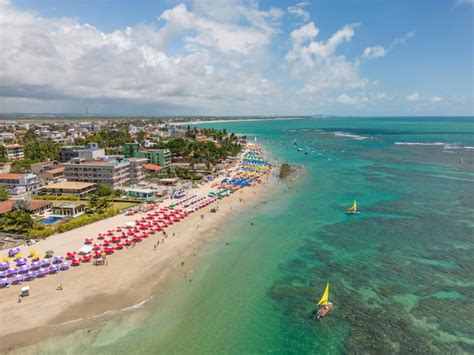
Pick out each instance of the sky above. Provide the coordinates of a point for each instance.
(229, 57)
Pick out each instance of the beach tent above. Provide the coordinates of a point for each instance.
(86, 249)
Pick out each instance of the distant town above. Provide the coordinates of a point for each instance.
(62, 174)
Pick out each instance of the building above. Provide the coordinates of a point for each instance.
(43, 166)
(69, 152)
(18, 184)
(151, 169)
(90, 151)
(53, 175)
(110, 171)
(161, 157)
(80, 189)
(141, 193)
(15, 151)
(68, 209)
(34, 206)
(137, 172)
(131, 150)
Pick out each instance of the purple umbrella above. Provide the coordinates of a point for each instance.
(45, 263)
(4, 265)
(17, 279)
(21, 261)
(64, 266)
(35, 266)
(3, 274)
(41, 273)
(12, 272)
(3, 283)
(53, 269)
(58, 259)
(13, 252)
(30, 275)
(22, 269)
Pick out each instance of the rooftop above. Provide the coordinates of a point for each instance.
(152, 167)
(70, 185)
(10, 176)
(7, 206)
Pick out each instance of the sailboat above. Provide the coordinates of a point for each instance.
(326, 306)
(352, 209)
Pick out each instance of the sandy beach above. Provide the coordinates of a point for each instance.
(128, 279)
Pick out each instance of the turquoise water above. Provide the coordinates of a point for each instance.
(401, 271)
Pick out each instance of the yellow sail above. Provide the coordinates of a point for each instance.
(325, 299)
(353, 209)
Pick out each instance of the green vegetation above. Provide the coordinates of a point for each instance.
(3, 155)
(20, 166)
(16, 222)
(98, 204)
(4, 195)
(103, 190)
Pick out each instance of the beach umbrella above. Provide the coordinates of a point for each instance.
(4, 265)
(16, 279)
(86, 258)
(12, 252)
(127, 242)
(75, 262)
(30, 275)
(70, 254)
(53, 269)
(21, 261)
(49, 253)
(64, 266)
(5, 259)
(97, 246)
(45, 263)
(3, 274)
(119, 246)
(4, 282)
(41, 273)
(109, 250)
(97, 254)
(12, 272)
(58, 259)
(88, 240)
(36, 265)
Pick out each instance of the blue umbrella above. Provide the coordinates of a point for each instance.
(23, 269)
(4, 283)
(45, 263)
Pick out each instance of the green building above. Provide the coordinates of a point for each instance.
(161, 157)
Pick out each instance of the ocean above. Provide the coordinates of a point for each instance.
(401, 271)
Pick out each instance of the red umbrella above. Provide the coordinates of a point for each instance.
(88, 241)
(98, 254)
(119, 246)
(109, 250)
(101, 236)
(75, 262)
(70, 254)
(127, 242)
(86, 258)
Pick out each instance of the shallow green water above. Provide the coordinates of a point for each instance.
(400, 272)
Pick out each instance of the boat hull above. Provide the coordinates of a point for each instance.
(323, 311)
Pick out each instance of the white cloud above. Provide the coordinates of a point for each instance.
(379, 51)
(62, 59)
(436, 99)
(380, 96)
(374, 52)
(317, 62)
(298, 11)
(351, 100)
(413, 97)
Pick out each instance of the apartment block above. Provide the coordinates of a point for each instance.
(19, 184)
(15, 151)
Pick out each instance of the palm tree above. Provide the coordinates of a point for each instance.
(21, 205)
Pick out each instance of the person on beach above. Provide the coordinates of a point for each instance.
(174, 235)
(60, 287)
(154, 247)
(182, 263)
(19, 298)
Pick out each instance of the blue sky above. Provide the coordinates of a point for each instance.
(227, 57)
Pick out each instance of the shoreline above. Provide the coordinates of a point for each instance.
(130, 279)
